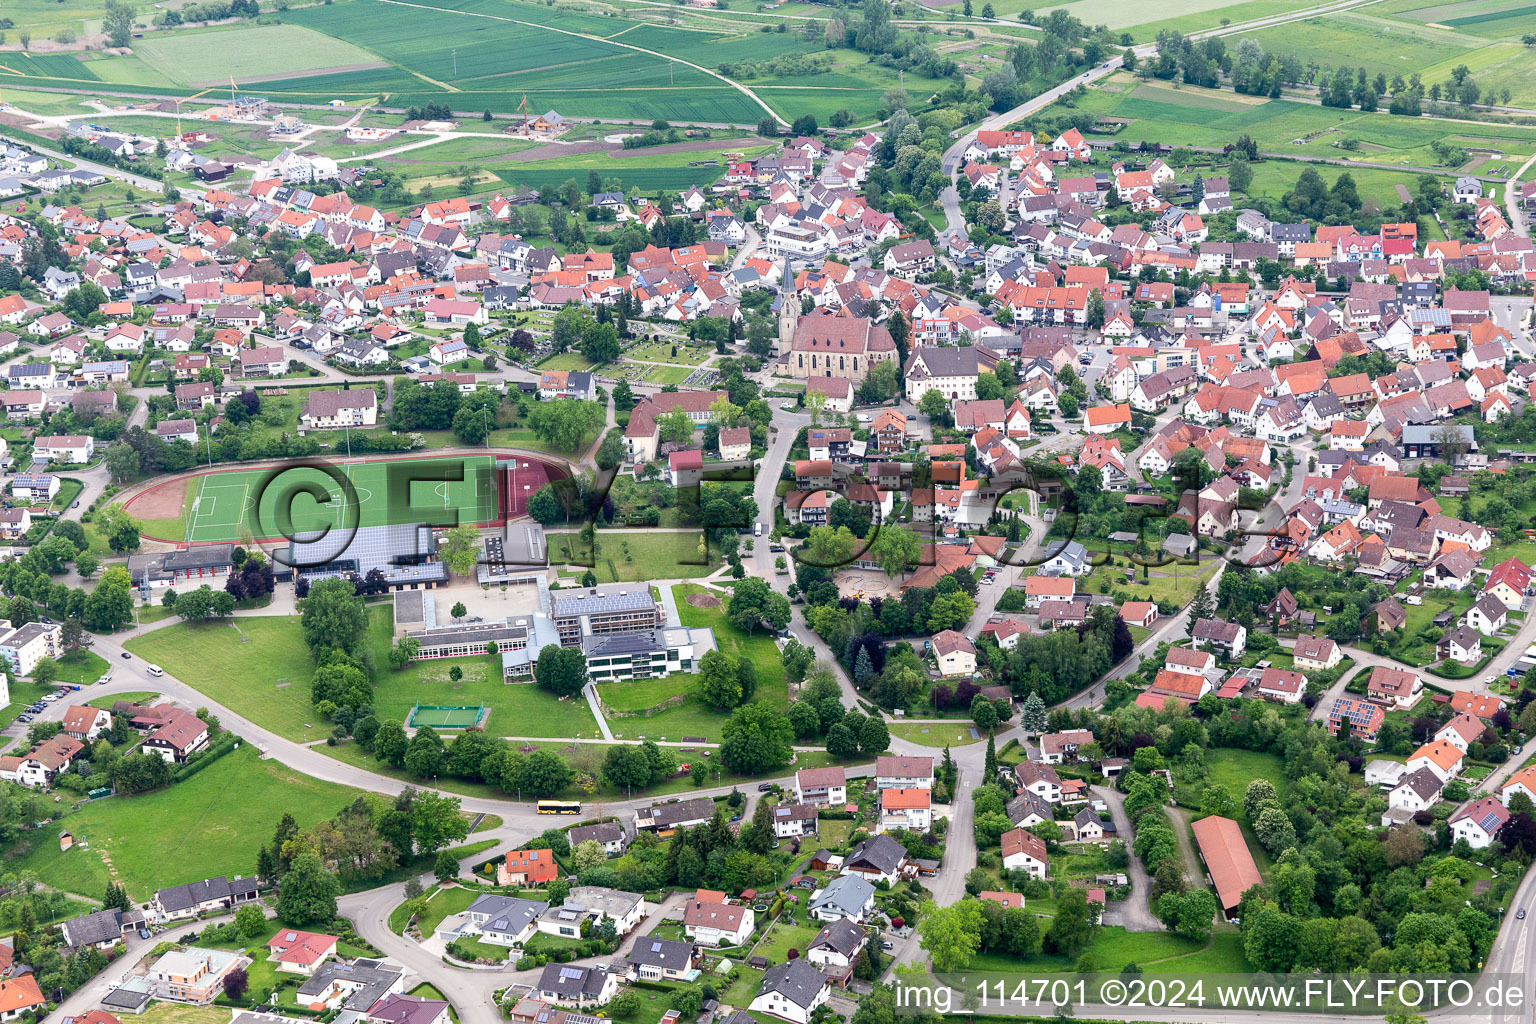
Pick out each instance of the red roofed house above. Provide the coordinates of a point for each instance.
(299, 952)
(1023, 850)
(1106, 419)
(1395, 687)
(86, 723)
(1479, 822)
(1508, 581)
(528, 868)
(1483, 706)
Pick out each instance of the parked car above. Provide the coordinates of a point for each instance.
(765, 787)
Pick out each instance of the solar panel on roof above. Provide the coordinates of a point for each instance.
(570, 972)
(655, 947)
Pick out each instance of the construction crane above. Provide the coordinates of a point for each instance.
(189, 99)
(523, 106)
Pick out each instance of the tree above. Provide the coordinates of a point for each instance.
(1032, 717)
(568, 425)
(842, 742)
(951, 935)
(561, 670)
(983, 714)
(446, 867)
(544, 773)
(628, 767)
(675, 427)
(757, 737)
(720, 683)
(235, 984)
(333, 617)
(874, 736)
(117, 897)
(110, 605)
(122, 461)
(1075, 924)
(249, 920)
(307, 893)
(805, 124)
(897, 549)
(1188, 914)
(754, 603)
(1274, 830)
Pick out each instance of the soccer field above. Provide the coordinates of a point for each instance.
(269, 504)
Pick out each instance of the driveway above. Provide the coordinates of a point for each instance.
(1134, 913)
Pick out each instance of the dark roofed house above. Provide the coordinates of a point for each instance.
(221, 893)
(403, 1009)
(835, 948)
(677, 814)
(792, 990)
(1226, 638)
(609, 835)
(878, 857)
(581, 987)
(103, 929)
(658, 959)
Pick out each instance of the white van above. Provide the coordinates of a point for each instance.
(757, 529)
(155, 670)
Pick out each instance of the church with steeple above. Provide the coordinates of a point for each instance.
(789, 310)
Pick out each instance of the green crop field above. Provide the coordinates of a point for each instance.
(263, 504)
(211, 57)
(1190, 116)
(491, 55)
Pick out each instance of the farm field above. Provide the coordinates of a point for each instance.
(210, 56)
(183, 832)
(254, 503)
(1191, 116)
(488, 55)
(272, 688)
(1180, 15)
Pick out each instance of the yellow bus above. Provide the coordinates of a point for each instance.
(559, 807)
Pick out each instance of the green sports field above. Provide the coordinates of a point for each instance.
(266, 504)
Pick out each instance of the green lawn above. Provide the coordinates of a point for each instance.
(211, 824)
(935, 734)
(694, 718)
(81, 666)
(1112, 949)
(1233, 770)
(785, 935)
(137, 696)
(443, 903)
(632, 557)
(272, 687)
(758, 646)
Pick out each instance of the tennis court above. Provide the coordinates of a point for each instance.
(440, 716)
(278, 502)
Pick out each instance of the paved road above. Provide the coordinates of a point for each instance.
(953, 218)
(1517, 218)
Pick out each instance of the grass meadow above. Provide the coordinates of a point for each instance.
(266, 680)
(212, 824)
